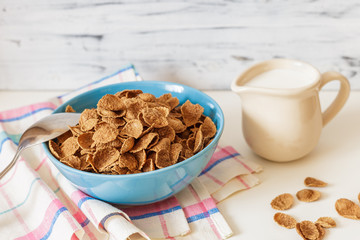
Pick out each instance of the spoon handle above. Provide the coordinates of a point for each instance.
(12, 163)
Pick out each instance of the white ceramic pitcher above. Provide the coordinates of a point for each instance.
(284, 124)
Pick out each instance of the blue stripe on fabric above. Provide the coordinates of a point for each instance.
(26, 114)
(85, 222)
(3, 134)
(3, 141)
(107, 217)
(153, 214)
(217, 162)
(3, 138)
(181, 180)
(15, 137)
(6, 137)
(57, 190)
(202, 215)
(82, 200)
(130, 66)
(23, 202)
(102, 79)
(58, 212)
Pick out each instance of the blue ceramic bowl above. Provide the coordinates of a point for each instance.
(147, 187)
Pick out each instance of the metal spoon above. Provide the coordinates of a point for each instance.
(43, 130)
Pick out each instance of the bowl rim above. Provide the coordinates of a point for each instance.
(213, 143)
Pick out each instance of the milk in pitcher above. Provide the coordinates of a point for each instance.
(282, 78)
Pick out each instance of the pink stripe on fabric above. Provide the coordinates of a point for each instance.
(78, 215)
(163, 222)
(13, 113)
(74, 237)
(51, 195)
(151, 208)
(203, 208)
(90, 234)
(60, 100)
(243, 182)
(164, 227)
(45, 187)
(44, 226)
(30, 235)
(198, 208)
(46, 164)
(41, 163)
(13, 172)
(76, 197)
(218, 154)
(17, 215)
(67, 216)
(245, 166)
(80, 218)
(231, 150)
(214, 179)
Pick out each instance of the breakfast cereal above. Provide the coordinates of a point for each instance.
(321, 231)
(285, 220)
(69, 109)
(309, 230)
(326, 222)
(313, 182)
(131, 132)
(191, 113)
(347, 208)
(308, 195)
(282, 202)
(312, 230)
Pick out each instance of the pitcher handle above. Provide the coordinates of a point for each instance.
(341, 97)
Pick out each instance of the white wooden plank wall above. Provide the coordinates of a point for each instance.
(67, 43)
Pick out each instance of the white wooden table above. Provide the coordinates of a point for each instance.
(335, 160)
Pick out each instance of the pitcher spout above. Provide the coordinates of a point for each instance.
(243, 89)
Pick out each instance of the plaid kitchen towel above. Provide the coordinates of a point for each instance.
(37, 202)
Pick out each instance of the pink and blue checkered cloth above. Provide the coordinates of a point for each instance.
(37, 202)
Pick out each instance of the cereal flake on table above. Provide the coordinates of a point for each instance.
(310, 231)
(347, 208)
(326, 222)
(285, 220)
(282, 202)
(313, 182)
(308, 195)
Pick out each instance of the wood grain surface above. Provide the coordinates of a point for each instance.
(205, 44)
